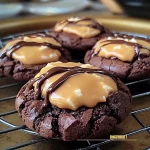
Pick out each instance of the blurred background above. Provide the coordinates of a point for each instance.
(22, 8)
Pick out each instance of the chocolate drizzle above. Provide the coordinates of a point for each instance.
(20, 44)
(70, 71)
(136, 46)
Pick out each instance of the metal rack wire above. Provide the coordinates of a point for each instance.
(133, 86)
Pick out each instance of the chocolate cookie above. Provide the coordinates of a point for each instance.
(24, 56)
(78, 34)
(126, 57)
(72, 101)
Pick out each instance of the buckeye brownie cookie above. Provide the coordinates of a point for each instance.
(78, 34)
(71, 101)
(24, 56)
(126, 57)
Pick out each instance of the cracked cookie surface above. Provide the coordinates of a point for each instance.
(51, 121)
(137, 68)
(72, 31)
(32, 48)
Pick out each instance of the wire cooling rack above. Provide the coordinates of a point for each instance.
(138, 89)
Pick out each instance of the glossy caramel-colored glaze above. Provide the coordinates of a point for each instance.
(33, 54)
(77, 26)
(121, 51)
(123, 48)
(82, 89)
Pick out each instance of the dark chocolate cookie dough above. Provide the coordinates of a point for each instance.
(70, 121)
(23, 57)
(126, 57)
(78, 34)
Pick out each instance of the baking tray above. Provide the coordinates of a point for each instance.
(14, 135)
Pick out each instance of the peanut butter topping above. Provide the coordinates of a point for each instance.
(122, 47)
(121, 51)
(144, 52)
(82, 85)
(81, 27)
(35, 49)
(143, 42)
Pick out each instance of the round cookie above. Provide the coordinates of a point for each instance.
(78, 34)
(24, 56)
(73, 101)
(127, 57)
